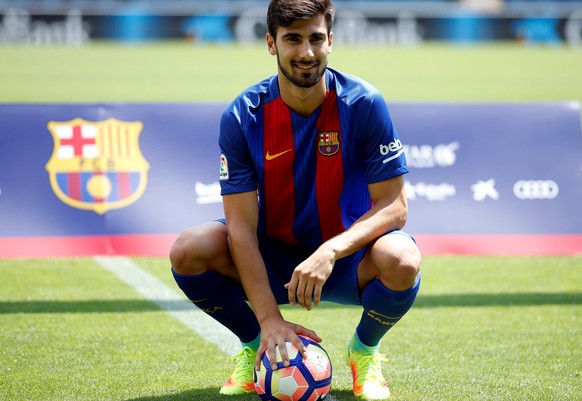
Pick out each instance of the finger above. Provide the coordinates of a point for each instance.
(308, 296)
(300, 294)
(308, 333)
(291, 287)
(296, 288)
(271, 352)
(317, 295)
(284, 354)
(300, 346)
(258, 359)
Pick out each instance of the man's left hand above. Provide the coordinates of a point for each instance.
(308, 279)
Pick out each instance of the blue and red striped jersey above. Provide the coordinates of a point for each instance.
(311, 173)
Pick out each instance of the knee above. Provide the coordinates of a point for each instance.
(202, 249)
(402, 266)
(408, 266)
(183, 255)
(178, 254)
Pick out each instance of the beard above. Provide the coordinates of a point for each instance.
(303, 80)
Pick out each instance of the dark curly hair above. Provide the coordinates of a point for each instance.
(285, 12)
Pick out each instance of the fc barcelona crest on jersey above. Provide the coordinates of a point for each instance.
(329, 143)
(97, 165)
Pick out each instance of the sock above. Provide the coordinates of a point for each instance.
(254, 345)
(221, 298)
(357, 345)
(383, 308)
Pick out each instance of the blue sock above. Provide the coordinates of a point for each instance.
(222, 298)
(383, 308)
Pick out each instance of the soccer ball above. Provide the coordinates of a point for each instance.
(305, 379)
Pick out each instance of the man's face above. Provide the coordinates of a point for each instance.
(302, 50)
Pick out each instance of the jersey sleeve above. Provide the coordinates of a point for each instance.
(237, 173)
(383, 151)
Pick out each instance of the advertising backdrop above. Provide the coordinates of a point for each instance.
(86, 179)
(405, 23)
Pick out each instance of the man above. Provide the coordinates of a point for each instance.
(311, 177)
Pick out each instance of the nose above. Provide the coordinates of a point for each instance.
(306, 50)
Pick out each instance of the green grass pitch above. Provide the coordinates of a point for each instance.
(483, 328)
(170, 72)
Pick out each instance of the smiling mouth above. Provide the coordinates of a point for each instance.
(305, 66)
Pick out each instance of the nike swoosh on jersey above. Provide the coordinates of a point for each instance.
(271, 157)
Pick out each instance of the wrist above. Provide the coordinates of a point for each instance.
(330, 250)
(268, 314)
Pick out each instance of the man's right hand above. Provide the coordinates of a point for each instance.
(275, 333)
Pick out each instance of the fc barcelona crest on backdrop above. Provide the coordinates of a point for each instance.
(97, 165)
(329, 143)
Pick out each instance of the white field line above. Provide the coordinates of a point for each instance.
(154, 290)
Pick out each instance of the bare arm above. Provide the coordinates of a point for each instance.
(241, 211)
(388, 213)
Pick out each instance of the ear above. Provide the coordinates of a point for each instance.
(330, 42)
(271, 44)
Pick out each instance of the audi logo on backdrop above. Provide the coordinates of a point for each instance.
(536, 189)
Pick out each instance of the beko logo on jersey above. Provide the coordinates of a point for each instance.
(536, 189)
(390, 149)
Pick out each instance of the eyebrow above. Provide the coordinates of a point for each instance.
(314, 35)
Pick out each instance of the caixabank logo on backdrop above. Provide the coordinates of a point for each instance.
(97, 166)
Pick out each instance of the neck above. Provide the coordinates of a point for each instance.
(303, 101)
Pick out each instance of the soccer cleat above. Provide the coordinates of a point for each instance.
(241, 381)
(369, 383)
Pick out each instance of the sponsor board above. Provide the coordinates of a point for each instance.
(127, 178)
(356, 22)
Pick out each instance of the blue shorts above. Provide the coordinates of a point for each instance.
(281, 259)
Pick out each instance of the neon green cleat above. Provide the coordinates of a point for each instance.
(369, 383)
(241, 380)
